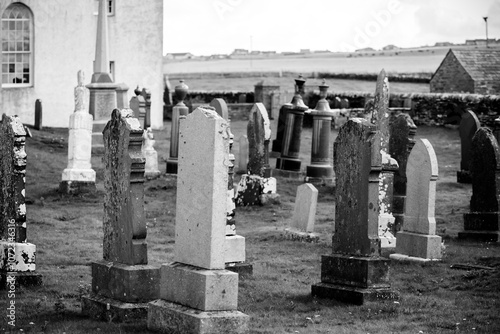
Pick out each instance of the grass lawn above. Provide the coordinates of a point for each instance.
(434, 298)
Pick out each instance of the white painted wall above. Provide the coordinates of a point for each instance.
(64, 42)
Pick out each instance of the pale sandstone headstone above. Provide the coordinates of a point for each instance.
(304, 214)
(418, 240)
(197, 294)
(481, 223)
(356, 272)
(79, 175)
(17, 255)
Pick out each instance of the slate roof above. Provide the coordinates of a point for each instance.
(482, 65)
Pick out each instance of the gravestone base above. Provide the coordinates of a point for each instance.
(296, 175)
(418, 245)
(251, 187)
(296, 235)
(482, 236)
(108, 309)
(289, 164)
(126, 283)
(199, 288)
(243, 269)
(76, 187)
(320, 181)
(481, 221)
(402, 257)
(351, 294)
(464, 176)
(171, 318)
(172, 166)
(21, 278)
(319, 171)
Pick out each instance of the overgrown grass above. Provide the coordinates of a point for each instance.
(434, 298)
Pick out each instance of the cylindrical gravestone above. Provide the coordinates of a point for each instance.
(180, 109)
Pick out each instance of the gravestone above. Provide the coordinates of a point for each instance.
(268, 93)
(79, 177)
(123, 282)
(38, 114)
(103, 98)
(355, 272)
(337, 103)
(178, 111)
(235, 253)
(344, 103)
(197, 294)
(481, 223)
(146, 95)
(304, 214)
(138, 106)
(402, 132)
(151, 167)
(17, 255)
(257, 184)
(320, 170)
(467, 128)
(381, 119)
(243, 154)
(418, 240)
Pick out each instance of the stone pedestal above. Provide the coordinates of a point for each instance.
(178, 111)
(289, 159)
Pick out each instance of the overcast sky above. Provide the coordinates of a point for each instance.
(205, 27)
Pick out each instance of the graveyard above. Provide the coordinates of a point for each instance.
(460, 293)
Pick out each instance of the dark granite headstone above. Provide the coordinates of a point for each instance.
(356, 272)
(259, 133)
(38, 114)
(402, 130)
(467, 129)
(481, 222)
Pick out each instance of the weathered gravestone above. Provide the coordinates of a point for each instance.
(381, 119)
(123, 282)
(304, 214)
(197, 294)
(17, 255)
(402, 131)
(257, 186)
(467, 129)
(79, 176)
(320, 170)
(38, 115)
(418, 240)
(481, 223)
(337, 102)
(243, 154)
(151, 167)
(235, 253)
(355, 272)
(138, 106)
(103, 97)
(297, 102)
(180, 109)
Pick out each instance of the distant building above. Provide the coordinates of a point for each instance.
(443, 44)
(468, 71)
(179, 56)
(239, 52)
(390, 47)
(365, 50)
(305, 50)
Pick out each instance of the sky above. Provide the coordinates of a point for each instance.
(205, 27)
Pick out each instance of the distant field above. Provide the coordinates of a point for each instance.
(367, 63)
(287, 85)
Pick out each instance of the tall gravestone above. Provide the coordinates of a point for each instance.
(304, 214)
(79, 176)
(381, 119)
(320, 170)
(467, 128)
(481, 223)
(197, 294)
(103, 98)
(17, 255)
(257, 182)
(355, 272)
(179, 110)
(235, 252)
(242, 154)
(418, 240)
(402, 131)
(123, 282)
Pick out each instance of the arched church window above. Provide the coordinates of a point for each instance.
(17, 46)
